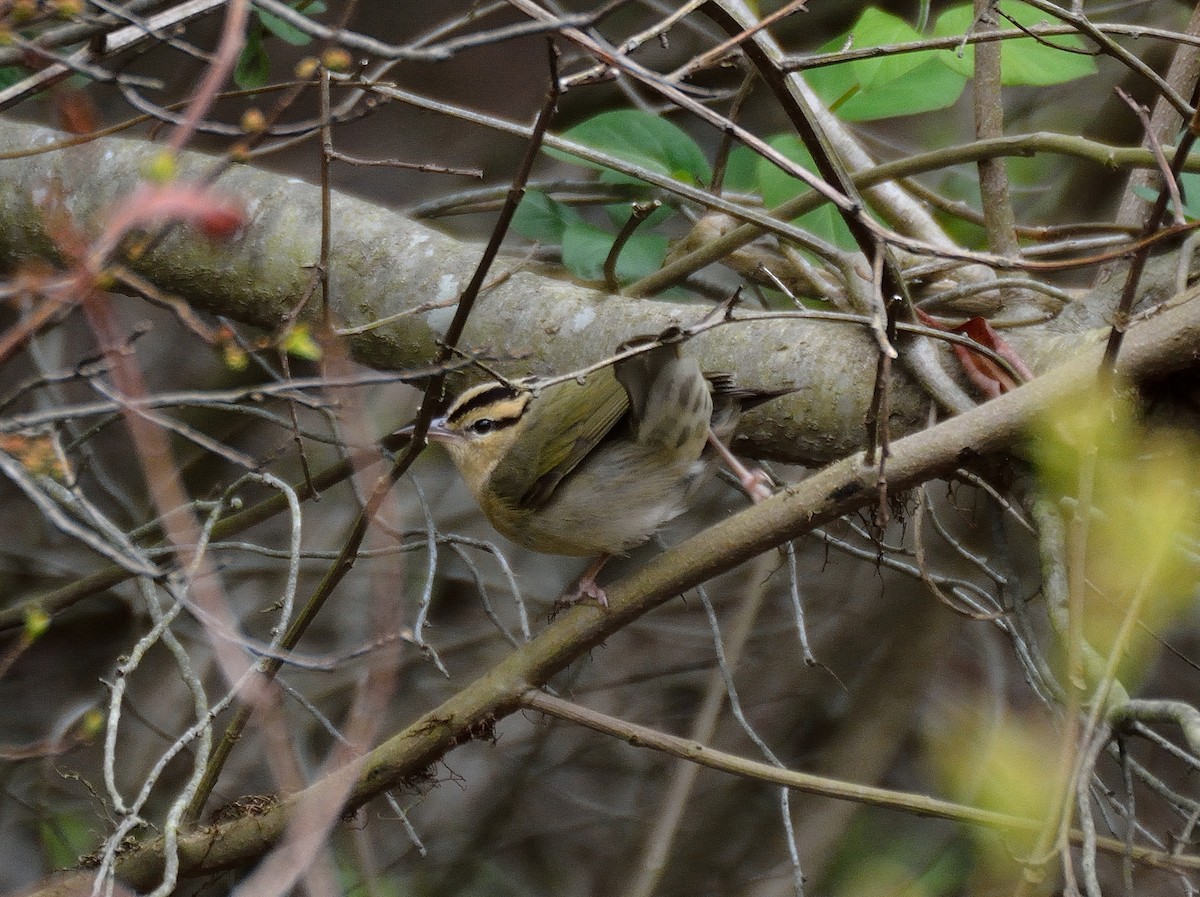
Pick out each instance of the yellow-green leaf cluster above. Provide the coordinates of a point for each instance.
(1129, 495)
(1006, 766)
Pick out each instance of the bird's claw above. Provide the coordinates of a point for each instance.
(586, 590)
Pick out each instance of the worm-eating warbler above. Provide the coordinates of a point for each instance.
(588, 468)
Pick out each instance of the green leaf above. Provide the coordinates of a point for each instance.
(541, 218)
(253, 65)
(643, 139)
(901, 84)
(876, 28)
(64, 839)
(11, 74)
(283, 30)
(300, 343)
(1189, 186)
(1023, 61)
(585, 247)
(925, 88)
(37, 621)
(741, 171)
(777, 187)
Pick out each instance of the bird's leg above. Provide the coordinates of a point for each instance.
(755, 482)
(585, 589)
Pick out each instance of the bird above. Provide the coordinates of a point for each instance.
(592, 467)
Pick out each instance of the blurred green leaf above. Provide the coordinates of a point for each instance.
(1000, 767)
(65, 839)
(37, 621)
(287, 32)
(355, 881)
(741, 171)
(585, 247)
(541, 218)
(777, 187)
(254, 65)
(875, 860)
(1189, 185)
(1023, 61)
(300, 343)
(10, 75)
(1141, 486)
(643, 139)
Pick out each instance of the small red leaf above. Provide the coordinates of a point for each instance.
(76, 112)
(989, 377)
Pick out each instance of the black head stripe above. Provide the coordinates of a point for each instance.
(481, 399)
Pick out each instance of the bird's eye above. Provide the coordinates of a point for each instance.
(482, 426)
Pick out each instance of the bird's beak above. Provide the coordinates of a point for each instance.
(437, 432)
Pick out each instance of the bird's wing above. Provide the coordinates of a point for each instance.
(579, 416)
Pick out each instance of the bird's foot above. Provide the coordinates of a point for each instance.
(585, 590)
(758, 484)
(754, 480)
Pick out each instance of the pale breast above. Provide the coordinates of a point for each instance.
(615, 502)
